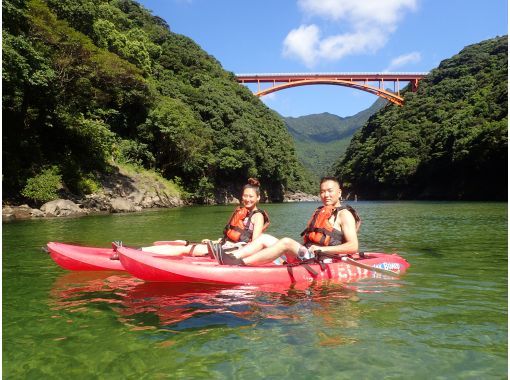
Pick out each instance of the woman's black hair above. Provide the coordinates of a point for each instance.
(254, 184)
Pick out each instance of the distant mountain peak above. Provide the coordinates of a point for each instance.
(325, 127)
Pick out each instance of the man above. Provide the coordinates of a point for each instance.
(331, 229)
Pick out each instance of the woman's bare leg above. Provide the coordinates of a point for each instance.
(263, 241)
(178, 250)
(283, 246)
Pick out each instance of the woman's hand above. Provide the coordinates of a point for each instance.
(314, 248)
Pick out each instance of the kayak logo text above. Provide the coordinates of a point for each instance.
(388, 266)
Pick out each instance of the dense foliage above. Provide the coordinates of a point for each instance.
(449, 141)
(44, 186)
(87, 83)
(321, 138)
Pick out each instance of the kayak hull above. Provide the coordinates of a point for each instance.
(82, 258)
(191, 270)
(79, 258)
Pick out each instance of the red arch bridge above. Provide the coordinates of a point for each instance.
(375, 83)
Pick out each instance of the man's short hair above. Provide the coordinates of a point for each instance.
(334, 179)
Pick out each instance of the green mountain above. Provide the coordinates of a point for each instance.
(321, 138)
(326, 127)
(449, 141)
(87, 84)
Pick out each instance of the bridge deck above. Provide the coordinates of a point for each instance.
(354, 76)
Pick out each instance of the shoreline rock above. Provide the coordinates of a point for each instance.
(61, 207)
(300, 197)
(20, 212)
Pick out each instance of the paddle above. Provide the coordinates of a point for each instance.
(346, 259)
(154, 248)
(164, 248)
(175, 242)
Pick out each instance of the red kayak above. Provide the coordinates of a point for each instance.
(190, 270)
(75, 257)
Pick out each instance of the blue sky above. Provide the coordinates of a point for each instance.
(280, 36)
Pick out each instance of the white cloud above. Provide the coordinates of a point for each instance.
(338, 46)
(371, 22)
(403, 60)
(302, 43)
(359, 12)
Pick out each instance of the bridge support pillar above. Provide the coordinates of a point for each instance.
(414, 85)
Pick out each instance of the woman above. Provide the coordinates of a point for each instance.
(247, 222)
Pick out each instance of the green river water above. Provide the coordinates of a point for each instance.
(446, 318)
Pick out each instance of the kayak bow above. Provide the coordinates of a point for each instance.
(75, 257)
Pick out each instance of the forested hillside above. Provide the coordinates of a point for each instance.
(321, 138)
(449, 141)
(326, 127)
(90, 84)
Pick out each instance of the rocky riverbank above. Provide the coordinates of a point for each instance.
(122, 191)
(104, 204)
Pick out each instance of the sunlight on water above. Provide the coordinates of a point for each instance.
(446, 318)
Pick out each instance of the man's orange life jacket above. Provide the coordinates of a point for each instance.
(239, 228)
(320, 230)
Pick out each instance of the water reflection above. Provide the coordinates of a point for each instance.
(183, 307)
